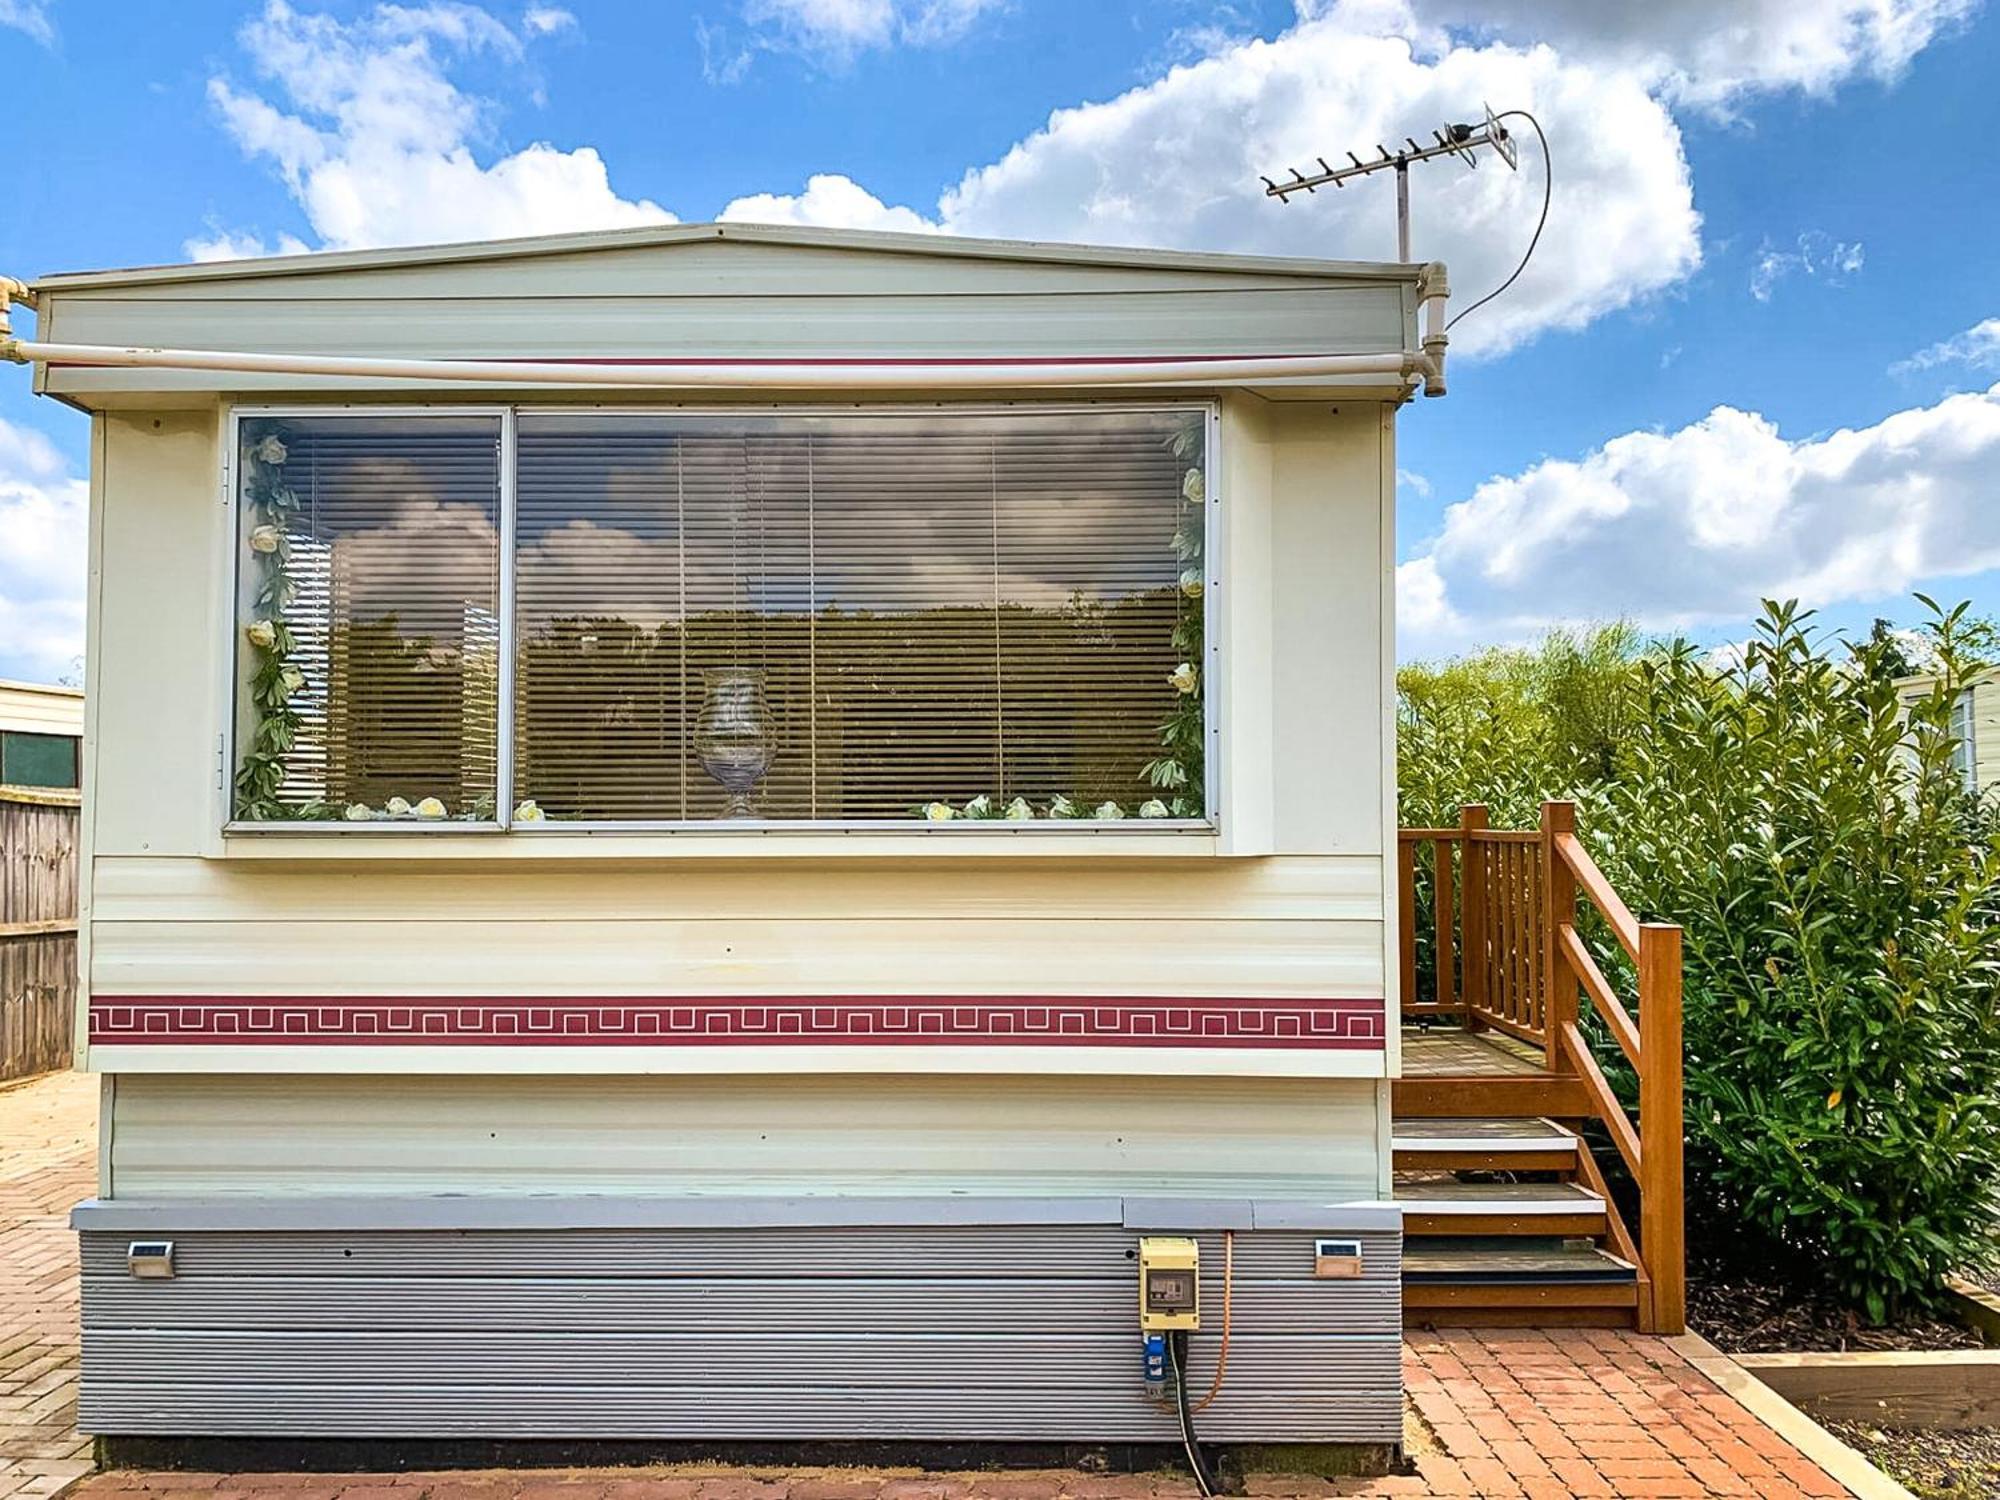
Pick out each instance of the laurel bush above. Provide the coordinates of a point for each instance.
(1800, 815)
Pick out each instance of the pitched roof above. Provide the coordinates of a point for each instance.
(932, 245)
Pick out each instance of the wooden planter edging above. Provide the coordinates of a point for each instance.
(1975, 1307)
(1930, 1389)
(1732, 1373)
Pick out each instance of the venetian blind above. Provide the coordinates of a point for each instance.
(910, 608)
(386, 585)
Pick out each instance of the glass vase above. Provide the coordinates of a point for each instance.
(732, 735)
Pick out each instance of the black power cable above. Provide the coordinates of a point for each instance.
(1548, 189)
(1204, 1477)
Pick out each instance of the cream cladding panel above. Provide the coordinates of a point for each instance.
(194, 1136)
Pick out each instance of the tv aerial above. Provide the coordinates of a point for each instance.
(1461, 141)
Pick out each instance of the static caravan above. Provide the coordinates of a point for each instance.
(739, 833)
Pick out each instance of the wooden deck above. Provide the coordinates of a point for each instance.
(1450, 1052)
(1500, 1078)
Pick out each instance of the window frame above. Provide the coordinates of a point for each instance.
(505, 793)
(75, 743)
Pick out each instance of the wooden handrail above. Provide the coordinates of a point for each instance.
(1511, 959)
(1609, 1110)
(1617, 915)
(1617, 1019)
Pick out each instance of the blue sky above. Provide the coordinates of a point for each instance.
(1763, 206)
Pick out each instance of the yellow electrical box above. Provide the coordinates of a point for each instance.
(1169, 1284)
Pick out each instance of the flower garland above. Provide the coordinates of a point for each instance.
(274, 680)
(1179, 773)
(984, 809)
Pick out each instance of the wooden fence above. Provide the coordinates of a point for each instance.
(38, 876)
(1502, 951)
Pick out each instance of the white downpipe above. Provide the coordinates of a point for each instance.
(833, 374)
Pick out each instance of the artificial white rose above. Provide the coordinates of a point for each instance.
(358, 812)
(1108, 810)
(1184, 678)
(979, 806)
(430, 807)
(291, 681)
(265, 538)
(1153, 807)
(1062, 807)
(270, 451)
(261, 633)
(528, 812)
(1191, 584)
(397, 807)
(1018, 811)
(1194, 486)
(940, 812)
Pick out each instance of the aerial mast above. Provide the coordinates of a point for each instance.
(1461, 141)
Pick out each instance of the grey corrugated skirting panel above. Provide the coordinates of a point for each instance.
(729, 1325)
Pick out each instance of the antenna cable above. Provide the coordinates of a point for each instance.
(1548, 186)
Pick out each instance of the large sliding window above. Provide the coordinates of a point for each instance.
(865, 617)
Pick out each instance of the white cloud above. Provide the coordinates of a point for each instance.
(1706, 54)
(236, 244)
(376, 142)
(834, 31)
(546, 20)
(1817, 257)
(831, 201)
(1692, 527)
(1977, 348)
(42, 532)
(30, 17)
(1176, 163)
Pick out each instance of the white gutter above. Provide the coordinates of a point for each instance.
(739, 374)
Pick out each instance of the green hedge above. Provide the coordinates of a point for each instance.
(1801, 817)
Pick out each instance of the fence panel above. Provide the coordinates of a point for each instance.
(38, 886)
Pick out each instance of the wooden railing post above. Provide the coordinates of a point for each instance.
(1559, 991)
(1661, 1214)
(1472, 916)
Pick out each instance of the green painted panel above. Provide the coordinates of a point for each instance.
(47, 760)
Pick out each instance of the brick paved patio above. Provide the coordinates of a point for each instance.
(48, 1160)
(1498, 1413)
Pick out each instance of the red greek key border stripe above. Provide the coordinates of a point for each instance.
(313, 1021)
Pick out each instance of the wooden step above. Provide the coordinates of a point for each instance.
(1509, 1281)
(1475, 1096)
(1446, 1206)
(1491, 1144)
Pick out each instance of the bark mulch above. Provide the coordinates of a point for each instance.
(1741, 1316)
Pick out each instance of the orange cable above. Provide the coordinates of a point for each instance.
(1228, 1285)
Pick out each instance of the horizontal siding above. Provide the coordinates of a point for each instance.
(40, 710)
(549, 322)
(964, 1332)
(736, 265)
(183, 1136)
(886, 1360)
(771, 956)
(1309, 926)
(1344, 889)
